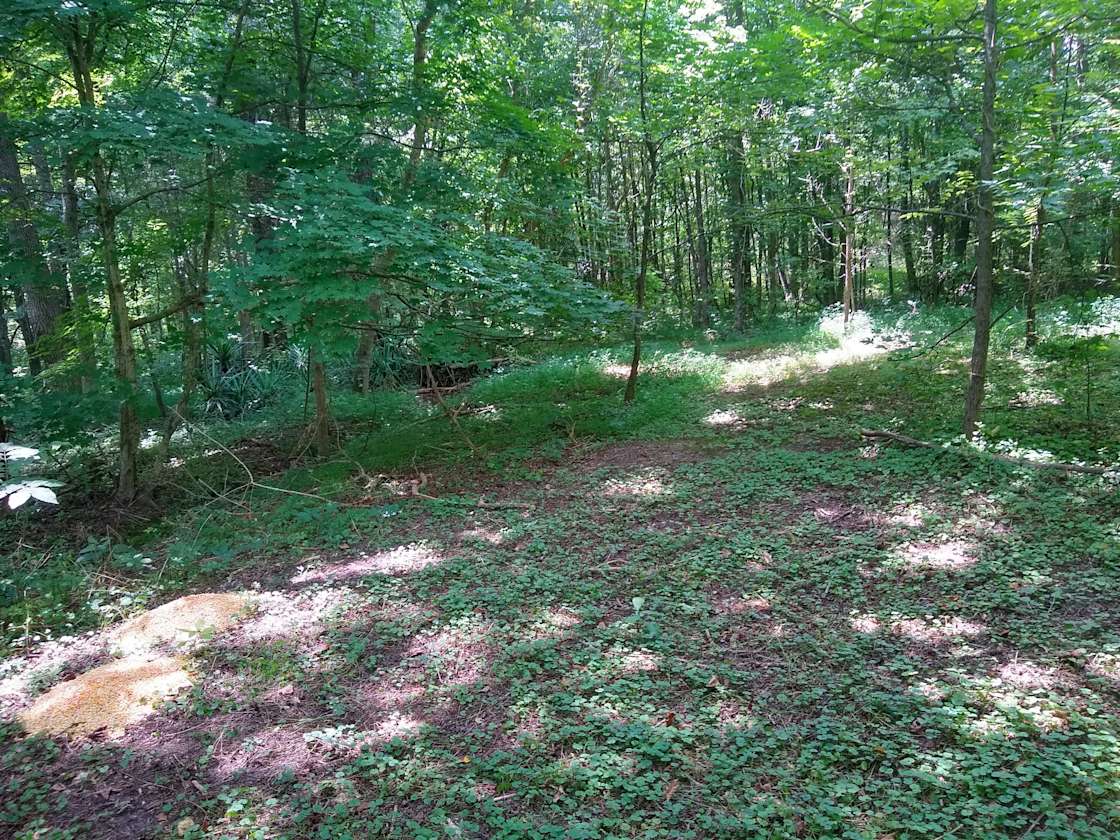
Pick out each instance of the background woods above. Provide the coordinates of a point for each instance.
(196, 194)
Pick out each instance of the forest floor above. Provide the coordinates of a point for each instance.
(715, 613)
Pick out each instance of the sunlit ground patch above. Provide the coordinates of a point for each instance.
(954, 555)
(936, 629)
(399, 560)
(742, 604)
(1026, 675)
(111, 697)
(647, 483)
(724, 418)
(1034, 398)
(459, 654)
(490, 536)
(769, 370)
(284, 615)
(267, 754)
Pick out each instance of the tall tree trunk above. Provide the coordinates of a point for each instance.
(322, 435)
(419, 64)
(647, 213)
(80, 47)
(1116, 242)
(985, 227)
(890, 226)
(703, 265)
(5, 337)
(738, 227)
(42, 287)
(849, 239)
(1034, 271)
(197, 286)
(84, 326)
(906, 224)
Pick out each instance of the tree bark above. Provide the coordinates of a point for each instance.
(849, 240)
(647, 213)
(1034, 272)
(739, 256)
(322, 436)
(985, 226)
(419, 65)
(80, 48)
(703, 264)
(42, 287)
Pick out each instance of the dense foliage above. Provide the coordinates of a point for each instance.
(380, 187)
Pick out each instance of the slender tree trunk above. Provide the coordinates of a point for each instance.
(890, 226)
(1116, 243)
(5, 337)
(419, 64)
(647, 213)
(193, 315)
(703, 266)
(322, 435)
(80, 48)
(84, 326)
(738, 232)
(849, 240)
(985, 226)
(1034, 272)
(906, 224)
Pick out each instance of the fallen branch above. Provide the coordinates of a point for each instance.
(906, 440)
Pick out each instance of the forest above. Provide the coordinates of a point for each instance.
(560, 419)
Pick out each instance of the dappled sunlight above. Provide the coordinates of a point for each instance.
(397, 725)
(724, 418)
(489, 536)
(768, 371)
(685, 362)
(1024, 674)
(400, 560)
(1104, 664)
(865, 623)
(907, 516)
(954, 555)
(933, 630)
(647, 483)
(936, 629)
(1035, 398)
(266, 754)
(623, 660)
(742, 604)
(554, 622)
(458, 654)
(282, 615)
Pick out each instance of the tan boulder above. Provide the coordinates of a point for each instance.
(178, 621)
(111, 697)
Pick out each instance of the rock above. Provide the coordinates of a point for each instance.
(111, 697)
(178, 622)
